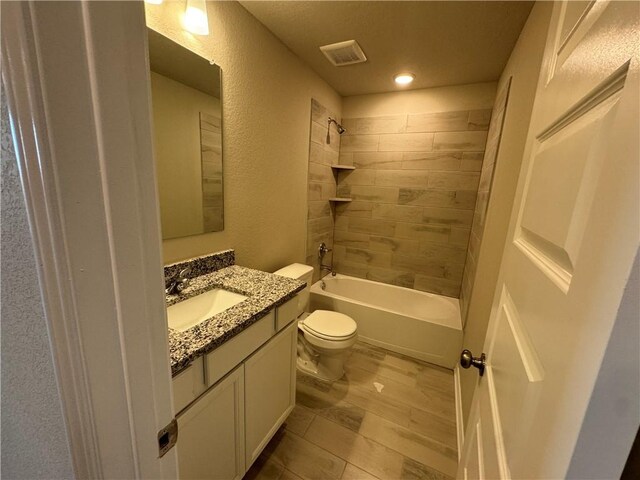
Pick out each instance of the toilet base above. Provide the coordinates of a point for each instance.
(319, 370)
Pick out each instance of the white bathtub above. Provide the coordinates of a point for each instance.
(418, 324)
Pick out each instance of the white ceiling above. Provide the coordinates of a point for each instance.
(442, 43)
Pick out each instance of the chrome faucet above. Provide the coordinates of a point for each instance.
(322, 251)
(178, 283)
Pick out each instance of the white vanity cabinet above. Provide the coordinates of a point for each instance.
(211, 432)
(232, 400)
(270, 390)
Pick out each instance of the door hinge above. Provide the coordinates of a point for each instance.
(167, 437)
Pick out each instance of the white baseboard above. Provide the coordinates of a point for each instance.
(459, 420)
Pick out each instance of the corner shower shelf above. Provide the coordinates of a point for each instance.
(339, 199)
(343, 167)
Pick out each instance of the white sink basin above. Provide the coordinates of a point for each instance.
(189, 313)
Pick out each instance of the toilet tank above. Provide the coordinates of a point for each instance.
(301, 272)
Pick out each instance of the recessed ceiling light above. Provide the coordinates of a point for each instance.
(404, 78)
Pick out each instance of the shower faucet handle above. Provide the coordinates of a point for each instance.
(323, 250)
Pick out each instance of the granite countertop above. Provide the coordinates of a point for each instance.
(265, 291)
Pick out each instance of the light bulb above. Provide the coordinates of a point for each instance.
(404, 78)
(195, 17)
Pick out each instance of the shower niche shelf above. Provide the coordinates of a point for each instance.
(343, 167)
(340, 199)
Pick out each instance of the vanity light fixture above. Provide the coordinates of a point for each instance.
(154, 2)
(195, 17)
(404, 78)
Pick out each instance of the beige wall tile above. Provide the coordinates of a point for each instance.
(320, 225)
(438, 122)
(387, 124)
(373, 227)
(328, 190)
(359, 143)
(368, 455)
(374, 194)
(316, 153)
(479, 119)
(432, 161)
(429, 267)
(460, 141)
(446, 253)
(392, 277)
(318, 112)
(378, 160)
(319, 208)
(318, 134)
(402, 178)
(314, 191)
(353, 269)
(402, 213)
(357, 177)
(471, 161)
(415, 231)
(320, 173)
(453, 181)
(437, 285)
(330, 157)
(345, 158)
(464, 199)
(394, 245)
(448, 216)
(341, 223)
(368, 257)
(355, 209)
(350, 239)
(459, 236)
(406, 142)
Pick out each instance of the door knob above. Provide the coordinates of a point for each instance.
(468, 360)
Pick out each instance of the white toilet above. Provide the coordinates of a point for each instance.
(324, 337)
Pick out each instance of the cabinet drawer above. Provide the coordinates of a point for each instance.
(225, 358)
(286, 313)
(188, 384)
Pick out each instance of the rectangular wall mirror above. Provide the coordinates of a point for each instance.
(187, 121)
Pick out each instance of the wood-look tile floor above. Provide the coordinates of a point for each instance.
(350, 430)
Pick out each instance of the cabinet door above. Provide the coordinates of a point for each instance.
(270, 390)
(211, 432)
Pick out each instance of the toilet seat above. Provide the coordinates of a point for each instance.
(327, 325)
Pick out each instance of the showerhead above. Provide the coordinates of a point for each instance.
(339, 127)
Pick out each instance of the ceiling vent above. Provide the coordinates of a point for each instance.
(344, 53)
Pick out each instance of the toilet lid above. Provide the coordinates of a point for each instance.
(330, 324)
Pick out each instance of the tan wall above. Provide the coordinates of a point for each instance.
(524, 66)
(417, 155)
(267, 95)
(176, 123)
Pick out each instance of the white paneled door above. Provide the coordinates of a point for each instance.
(573, 236)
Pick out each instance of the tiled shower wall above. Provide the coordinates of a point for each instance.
(322, 185)
(482, 202)
(414, 191)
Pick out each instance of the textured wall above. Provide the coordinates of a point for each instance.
(414, 186)
(523, 68)
(266, 108)
(322, 185)
(34, 437)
